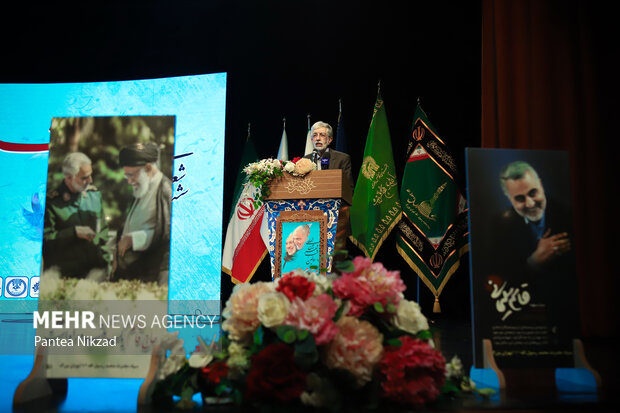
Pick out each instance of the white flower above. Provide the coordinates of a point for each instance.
(238, 356)
(289, 167)
(467, 384)
(238, 360)
(322, 282)
(171, 365)
(409, 317)
(51, 284)
(202, 357)
(176, 359)
(86, 290)
(171, 341)
(454, 369)
(273, 307)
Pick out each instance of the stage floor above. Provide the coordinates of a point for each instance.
(452, 336)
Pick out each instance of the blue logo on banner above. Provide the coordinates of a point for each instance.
(15, 287)
(34, 286)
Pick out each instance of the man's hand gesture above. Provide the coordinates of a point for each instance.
(550, 246)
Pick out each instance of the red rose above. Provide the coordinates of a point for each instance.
(295, 286)
(274, 376)
(214, 373)
(295, 159)
(412, 373)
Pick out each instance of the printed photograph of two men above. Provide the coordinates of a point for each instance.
(108, 200)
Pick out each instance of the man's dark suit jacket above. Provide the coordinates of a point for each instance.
(554, 284)
(337, 160)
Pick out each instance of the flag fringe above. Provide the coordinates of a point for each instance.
(380, 243)
(436, 292)
(236, 281)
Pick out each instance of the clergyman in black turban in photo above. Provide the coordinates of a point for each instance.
(143, 249)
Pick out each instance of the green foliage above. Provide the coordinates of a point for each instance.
(394, 342)
(287, 334)
(258, 336)
(425, 335)
(306, 353)
(340, 311)
(344, 266)
(260, 174)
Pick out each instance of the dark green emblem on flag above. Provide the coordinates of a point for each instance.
(433, 230)
(376, 205)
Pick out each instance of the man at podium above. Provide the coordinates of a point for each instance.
(323, 156)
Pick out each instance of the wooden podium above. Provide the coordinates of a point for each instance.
(329, 183)
(316, 205)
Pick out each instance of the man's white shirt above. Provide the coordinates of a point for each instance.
(141, 221)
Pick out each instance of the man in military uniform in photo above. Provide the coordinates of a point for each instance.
(75, 230)
(143, 249)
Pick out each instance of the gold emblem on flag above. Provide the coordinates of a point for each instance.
(418, 133)
(369, 168)
(436, 260)
(426, 207)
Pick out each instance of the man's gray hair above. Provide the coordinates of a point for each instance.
(303, 228)
(73, 162)
(319, 124)
(514, 171)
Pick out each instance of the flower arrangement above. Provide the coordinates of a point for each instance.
(57, 288)
(329, 341)
(260, 173)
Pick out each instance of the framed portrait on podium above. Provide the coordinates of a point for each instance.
(300, 242)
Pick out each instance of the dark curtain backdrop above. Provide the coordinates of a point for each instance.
(549, 82)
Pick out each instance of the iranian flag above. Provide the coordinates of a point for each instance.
(244, 248)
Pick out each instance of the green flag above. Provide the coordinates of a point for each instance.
(376, 205)
(432, 235)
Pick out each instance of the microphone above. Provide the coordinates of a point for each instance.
(315, 155)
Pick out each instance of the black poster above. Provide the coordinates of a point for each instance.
(523, 279)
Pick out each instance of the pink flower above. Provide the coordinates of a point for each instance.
(314, 315)
(368, 284)
(412, 373)
(241, 311)
(357, 348)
